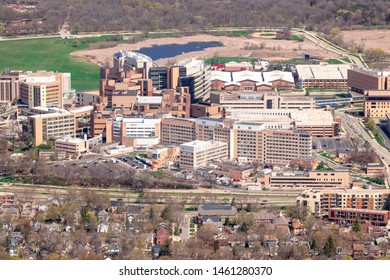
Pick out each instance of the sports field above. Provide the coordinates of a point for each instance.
(50, 54)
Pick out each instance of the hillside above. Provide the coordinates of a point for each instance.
(187, 15)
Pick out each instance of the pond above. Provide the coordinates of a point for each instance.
(171, 50)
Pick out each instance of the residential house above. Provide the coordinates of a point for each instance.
(264, 217)
(282, 225)
(253, 240)
(162, 234)
(270, 240)
(213, 219)
(102, 216)
(222, 210)
(117, 205)
(16, 237)
(13, 250)
(298, 227)
(358, 250)
(374, 251)
(102, 227)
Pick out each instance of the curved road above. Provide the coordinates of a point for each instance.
(321, 42)
(355, 129)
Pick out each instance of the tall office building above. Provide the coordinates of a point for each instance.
(10, 86)
(42, 89)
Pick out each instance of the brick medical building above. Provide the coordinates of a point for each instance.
(360, 80)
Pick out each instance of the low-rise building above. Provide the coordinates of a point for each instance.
(375, 169)
(206, 109)
(266, 100)
(323, 76)
(311, 179)
(230, 80)
(350, 215)
(7, 198)
(233, 170)
(221, 210)
(52, 154)
(198, 153)
(321, 201)
(72, 146)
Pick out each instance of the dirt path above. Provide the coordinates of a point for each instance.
(233, 46)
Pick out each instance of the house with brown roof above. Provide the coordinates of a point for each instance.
(358, 250)
(282, 225)
(222, 210)
(264, 217)
(162, 235)
(298, 227)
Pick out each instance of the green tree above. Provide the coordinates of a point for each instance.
(356, 226)
(166, 213)
(371, 124)
(151, 214)
(330, 247)
(244, 227)
(313, 244)
(76, 28)
(320, 166)
(76, 43)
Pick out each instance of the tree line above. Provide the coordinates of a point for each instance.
(152, 15)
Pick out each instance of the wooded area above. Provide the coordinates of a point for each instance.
(187, 15)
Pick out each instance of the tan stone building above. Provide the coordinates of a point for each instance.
(254, 142)
(176, 131)
(50, 126)
(72, 146)
(42, 89)
(323, 76)
(10, 86)
(321, 201)
(376, 103)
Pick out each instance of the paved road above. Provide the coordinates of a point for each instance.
(321, 42)
(356, 130)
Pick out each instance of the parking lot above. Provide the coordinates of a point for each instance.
(331, 144)
(97, 165)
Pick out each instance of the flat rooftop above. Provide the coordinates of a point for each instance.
(323, 72)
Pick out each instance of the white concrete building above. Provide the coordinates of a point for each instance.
(198, 153)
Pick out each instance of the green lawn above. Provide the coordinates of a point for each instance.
(374, 180)
(50, 54)
(334, 61)
(224, 60)
(268, 34)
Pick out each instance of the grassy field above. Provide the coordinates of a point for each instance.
(224, 60)
(50, 54)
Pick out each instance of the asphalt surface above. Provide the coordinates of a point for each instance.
(356, 130)
(321, 42)
(331, 144)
